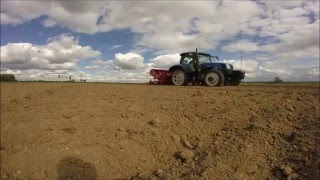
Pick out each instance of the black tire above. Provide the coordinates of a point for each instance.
(213, 78)
(178, 77)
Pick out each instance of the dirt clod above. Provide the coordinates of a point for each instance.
(289, 107)
(184, 155)
(187, 144)
(159, 173)
(155, 122)
(176, 139)
(67, 116)
(4, 176)
(293, 176)
(287, 170)
(121, 134)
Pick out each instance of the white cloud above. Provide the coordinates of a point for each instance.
(123, 75)
(48, 23)
(159, 25)
(314, 72)
(165, 61)
(92, 67)
(242, 45)
(276, 5)
(313, 7)
(78, 16)
(294, 12)
(248, 66)
(116, 46)
(196, 25)
(103, 62)
(294, 34)
(102, 65)
(34, 74)
(276, 71)
(77, 75)
(164, 26)
(267, 69)
(61, 52)
(5, 19)
(128, 61)
(128, 67)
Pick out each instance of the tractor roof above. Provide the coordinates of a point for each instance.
(200, 53)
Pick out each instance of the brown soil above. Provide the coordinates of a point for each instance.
(128, 131)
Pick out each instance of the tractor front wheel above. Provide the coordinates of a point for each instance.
(178, 77)
(214, 78)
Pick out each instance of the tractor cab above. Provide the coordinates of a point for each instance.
(198, 61)
(194, 58)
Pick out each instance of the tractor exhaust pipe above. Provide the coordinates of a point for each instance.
(197, 66)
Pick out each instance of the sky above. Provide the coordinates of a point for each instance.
(120, 41)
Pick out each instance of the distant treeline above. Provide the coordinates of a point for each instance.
(7, 77)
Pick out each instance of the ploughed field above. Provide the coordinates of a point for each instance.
(135, 131)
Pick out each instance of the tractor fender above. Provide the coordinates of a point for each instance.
(183, 68)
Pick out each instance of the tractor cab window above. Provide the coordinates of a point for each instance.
(228, 66)
(186, 60)
(189, 61)
(214, 58)
(204, 59)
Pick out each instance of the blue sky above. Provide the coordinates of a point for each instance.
(121, 41)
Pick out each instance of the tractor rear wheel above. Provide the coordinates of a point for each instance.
(178, 77)
(214, 78)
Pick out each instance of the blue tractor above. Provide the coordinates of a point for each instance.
(198, 68)
(202, 68)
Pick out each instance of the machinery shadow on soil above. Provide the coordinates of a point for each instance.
(74, 168)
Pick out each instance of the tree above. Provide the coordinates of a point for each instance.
(277, 80)
(8, 77)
